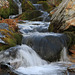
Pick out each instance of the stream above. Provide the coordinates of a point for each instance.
(41, 52)
(40, 67)
(24, 58)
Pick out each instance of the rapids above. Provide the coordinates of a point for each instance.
(25, 58)
(41, 52)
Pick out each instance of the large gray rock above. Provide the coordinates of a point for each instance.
(47, 45)
(63, 17)
(3, 26)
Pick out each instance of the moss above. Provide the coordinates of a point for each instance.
(46, 6)
(4, 12)
(30, 14)
(13, 7)
(11, 10)
(55, 26)
(11, 38)
(18, 37)
(37, 19)
(71, 36)
(27, 5)
(3, 46)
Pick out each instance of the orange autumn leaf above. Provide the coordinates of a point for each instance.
(11, 22)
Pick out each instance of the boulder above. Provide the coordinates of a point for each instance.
(71, 70)
(63, 17)
(46, 6)
(47, 45)
(27, 5)
(7, 69)
(30, 14)
(8, 36)
(3, 26)
(34, 2)
(8, 7)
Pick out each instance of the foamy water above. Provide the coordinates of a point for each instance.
(25, 60)
(29, 29)
(49, 69)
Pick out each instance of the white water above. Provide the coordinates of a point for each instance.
(49, 69)
(25, 57)
(19, 9)
(32, 64)
(64, 56)
(27, 61)
(29, 57)
(38, 6)
(19, 6)
(45, 14)
(56, 68)
(33, 26)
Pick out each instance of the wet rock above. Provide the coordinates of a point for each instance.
(4, 3)
(47, 45)
(6, 69)
(9, 8)
(71, 70)
(4, 26)
(63, 18)
(27, 5)
(30, 14)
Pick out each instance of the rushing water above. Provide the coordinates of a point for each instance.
(30, 57)
(19, 6)
(36, 37)
(45, 14)
(18, 3)
(26, 61)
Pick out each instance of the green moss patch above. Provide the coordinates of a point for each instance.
(30, 14)
(27, 5)
(11, 10)
(45, 5)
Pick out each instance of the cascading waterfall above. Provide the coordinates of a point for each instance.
(19, 9)
(25, 57)
(19, 6)
(64, 56)
(38, 6)
(45, 14)
(46, 69)
(25, 60)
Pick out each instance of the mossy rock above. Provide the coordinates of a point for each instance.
(13, 7)
(34, 1)
(37, 19)
(27, 5)
(71, 36)
(11, 41)
(11, 10)
(30, 14)
(3, 46)
(45, 5)
(9, 36)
